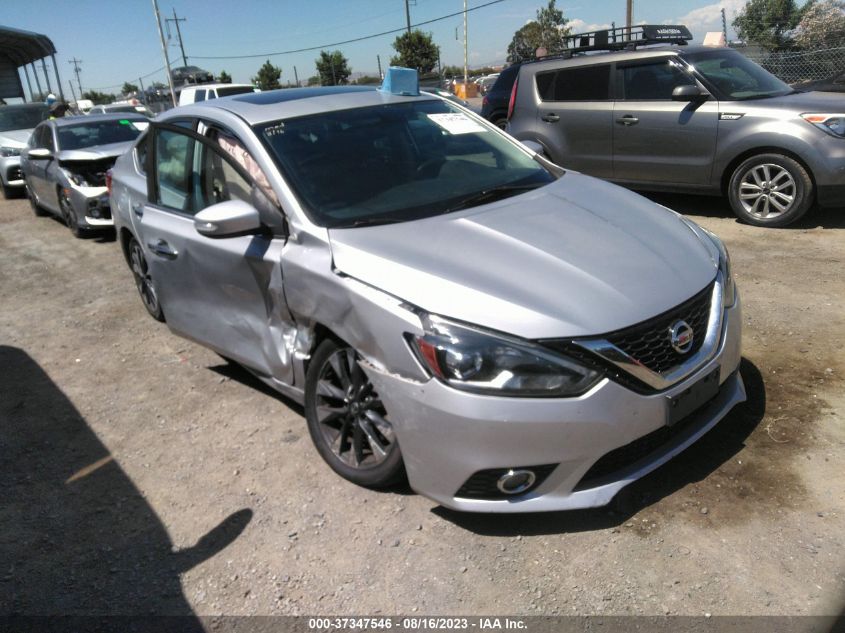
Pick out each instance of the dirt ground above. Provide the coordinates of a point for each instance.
(141, 474)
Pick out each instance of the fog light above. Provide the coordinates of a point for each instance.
(515, 481)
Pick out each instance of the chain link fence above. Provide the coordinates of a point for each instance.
(796, 66)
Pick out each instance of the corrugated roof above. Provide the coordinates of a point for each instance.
(23, 47)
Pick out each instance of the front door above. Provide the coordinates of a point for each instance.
(225, 293)
(656, 139)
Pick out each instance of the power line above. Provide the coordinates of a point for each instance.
(357, 39)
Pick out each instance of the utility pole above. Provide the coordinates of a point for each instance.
(466, 49)
(296, 76)
(408, 16)
(143, 93)
(378, 61)
(724, 25)
(76, 63)
(73, 94)
(629, 17)
(164, 51)
(179, 35)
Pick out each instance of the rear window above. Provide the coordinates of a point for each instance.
(233, 90)
(585, 83)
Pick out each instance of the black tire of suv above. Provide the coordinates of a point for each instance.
(803, 197)
(388, 473)
(500, 122)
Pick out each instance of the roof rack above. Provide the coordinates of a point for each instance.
(623, 38)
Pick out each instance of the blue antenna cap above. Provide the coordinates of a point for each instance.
(401, 81)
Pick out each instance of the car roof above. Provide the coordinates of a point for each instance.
(215, 86)
(271, 105)
(644, 52)
(94, 118)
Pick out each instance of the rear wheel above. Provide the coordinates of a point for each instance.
(501, 122)
(347, 420)
(143, 280)
(770, 190)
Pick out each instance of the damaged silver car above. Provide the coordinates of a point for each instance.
(66, 162)
(448, 305)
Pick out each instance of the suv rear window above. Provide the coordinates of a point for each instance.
(584, 83)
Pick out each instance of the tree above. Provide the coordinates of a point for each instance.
(822, 25)
(415, 50)
(129, 88)
(98, 98)
(549, 31)
(768, 23)
(268, 77)
(224, 78)
(314, 81)
(333, 68)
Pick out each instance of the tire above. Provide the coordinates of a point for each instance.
(347, 421)
(770, 190)
(69, 216)
(500, 122)
(36, 208)
(9, 192)
(143, 281)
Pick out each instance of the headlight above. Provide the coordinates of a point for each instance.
(6, 152)
(729, 291)
(76, 179)
(833, 124)
(473, 360)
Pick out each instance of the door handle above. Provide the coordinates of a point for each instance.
(163, 249)
(138, 209)
(628, 120)
(551, 117)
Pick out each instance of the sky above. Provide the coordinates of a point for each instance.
(117, 40)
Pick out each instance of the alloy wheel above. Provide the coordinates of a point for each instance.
(143, 281)
(69, 215)
(767, 191)
(350, 414)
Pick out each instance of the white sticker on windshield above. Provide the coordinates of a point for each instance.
(456, 123)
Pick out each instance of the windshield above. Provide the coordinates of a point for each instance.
(99, 133)
(397, 162)
(735, 76)
(22, 117)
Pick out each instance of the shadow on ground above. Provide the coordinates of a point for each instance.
(78, 537)
(718, 446)
(718, 207)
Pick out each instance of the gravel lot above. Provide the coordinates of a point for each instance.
(142, 474)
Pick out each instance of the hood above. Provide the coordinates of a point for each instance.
(798, 102)
(98, 152)
(14, 138)
(577, 257)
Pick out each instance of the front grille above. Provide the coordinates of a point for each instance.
(649, 342)
(14, 173)
(482, 485)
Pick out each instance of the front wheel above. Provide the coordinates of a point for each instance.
(770, 190)
(69, 215)
(347, 420)
(143, 280)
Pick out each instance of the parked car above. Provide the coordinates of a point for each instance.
(195, 94)
(113, 108)
(16, 124)
(190, 75)
(487, 82)
(831, 84)
(444, 302)
(494, 105)
(687, 118)
(66, 162)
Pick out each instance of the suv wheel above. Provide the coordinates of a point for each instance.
(347, 420)
(770, 190)
(500, 122)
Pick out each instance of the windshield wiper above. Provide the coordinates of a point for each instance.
(371, 221)
(491, 195)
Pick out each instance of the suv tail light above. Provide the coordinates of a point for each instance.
(513, 98)
(485, 101)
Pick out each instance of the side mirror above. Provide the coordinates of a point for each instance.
(228, 219)
(39, 153)
(689, 93)
(534, 146)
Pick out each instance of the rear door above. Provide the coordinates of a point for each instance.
(225, 293)
(576, 116)
(656, 139)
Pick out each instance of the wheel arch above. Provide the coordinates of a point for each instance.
(743, 156)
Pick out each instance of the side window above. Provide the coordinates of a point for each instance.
(217, 180)
(584, 83)
(234, 148)
(199, 95)
(173, 160)
(35, 137)
(46, 139)
(652, 82)
(141, 154)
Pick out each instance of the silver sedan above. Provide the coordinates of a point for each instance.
(449, 306)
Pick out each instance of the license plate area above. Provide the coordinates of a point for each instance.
(692, 398)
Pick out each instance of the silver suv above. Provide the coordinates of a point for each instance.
(443, 301)
(684, 118)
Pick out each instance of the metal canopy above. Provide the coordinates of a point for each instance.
(24, 47)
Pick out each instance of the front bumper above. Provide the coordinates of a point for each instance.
(449, 435)
(10, 171)
(91, 205)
